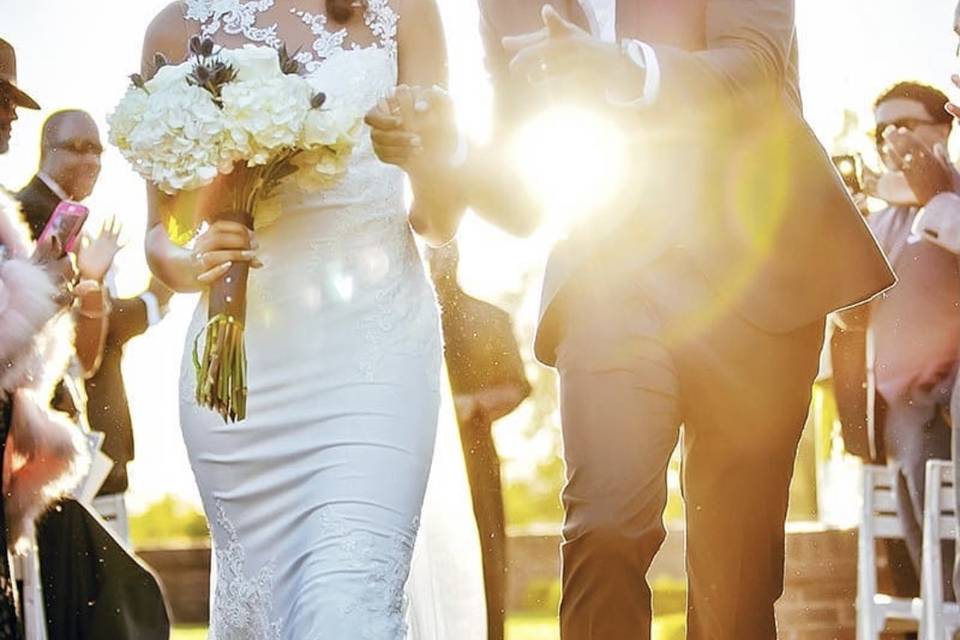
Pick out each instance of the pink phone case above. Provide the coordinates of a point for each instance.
(65, 223)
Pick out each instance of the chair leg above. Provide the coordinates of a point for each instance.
(868, 624)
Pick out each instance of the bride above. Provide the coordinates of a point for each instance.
(314, 500)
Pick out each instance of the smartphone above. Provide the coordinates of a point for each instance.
(65, 224)
(850, 166)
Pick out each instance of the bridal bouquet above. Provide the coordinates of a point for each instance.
(246, 112)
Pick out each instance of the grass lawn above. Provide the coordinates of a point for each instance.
(189, 633)
(519, 627)
(524, 627)
(532, 626)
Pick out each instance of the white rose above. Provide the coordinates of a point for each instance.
(253, 62)
(169, 76)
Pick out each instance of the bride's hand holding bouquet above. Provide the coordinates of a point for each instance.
(229, 126)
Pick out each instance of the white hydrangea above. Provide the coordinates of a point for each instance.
(126, 117)
(179, 138)
(265, 115)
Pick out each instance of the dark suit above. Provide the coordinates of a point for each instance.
(93, 587)
(481, 353)
(107, 408)
(699, 300)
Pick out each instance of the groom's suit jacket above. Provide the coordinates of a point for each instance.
(723, 165)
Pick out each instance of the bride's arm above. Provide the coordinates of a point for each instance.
(184, 270)
(438, 203)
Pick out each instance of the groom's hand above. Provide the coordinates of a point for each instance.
(562, 55)
(415, 128)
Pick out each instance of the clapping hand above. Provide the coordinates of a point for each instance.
(953, 108)
(95, 257)
(562, 55)
(927, 171)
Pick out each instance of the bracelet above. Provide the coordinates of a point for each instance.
(105, 306)
(92, 315)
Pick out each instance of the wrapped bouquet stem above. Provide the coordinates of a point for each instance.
(222, 367)
(249, 114)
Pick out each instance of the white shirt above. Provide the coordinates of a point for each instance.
(602, 15)
(54, 186)
(604, 18)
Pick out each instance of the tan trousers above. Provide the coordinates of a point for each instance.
(645, 350)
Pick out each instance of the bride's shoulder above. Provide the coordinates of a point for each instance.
(416, 15)
(170, 30)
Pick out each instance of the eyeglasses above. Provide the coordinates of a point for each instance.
(80, 147)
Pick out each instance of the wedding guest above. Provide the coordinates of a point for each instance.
(698, 298)
(108, 410)
(69, 170)
(916, 325)
(488, 382)
(70, 151)
(70, 155)
(932, 176)
(39, 450)
(92, 587)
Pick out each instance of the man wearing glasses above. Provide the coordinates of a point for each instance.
(916, 326)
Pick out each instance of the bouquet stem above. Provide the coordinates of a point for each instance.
(222, 369)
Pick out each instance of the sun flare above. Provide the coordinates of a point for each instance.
(574, 162)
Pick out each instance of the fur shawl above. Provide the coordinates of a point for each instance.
(44, 448)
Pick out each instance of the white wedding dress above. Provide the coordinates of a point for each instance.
(314, 500)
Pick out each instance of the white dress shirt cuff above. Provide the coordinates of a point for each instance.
(642, 55)
(939, 222)
(153, 308)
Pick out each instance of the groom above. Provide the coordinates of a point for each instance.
(699, 299)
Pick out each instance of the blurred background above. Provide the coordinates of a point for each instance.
(850, 51)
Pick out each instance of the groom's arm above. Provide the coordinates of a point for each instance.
(513, 102)
(750, 44)
(496, 193)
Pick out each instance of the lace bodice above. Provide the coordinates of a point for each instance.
(246, 18)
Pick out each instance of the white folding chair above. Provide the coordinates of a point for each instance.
(26, 568)
(878, 612)
(940, 619)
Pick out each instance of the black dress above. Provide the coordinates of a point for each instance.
(9, 623)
